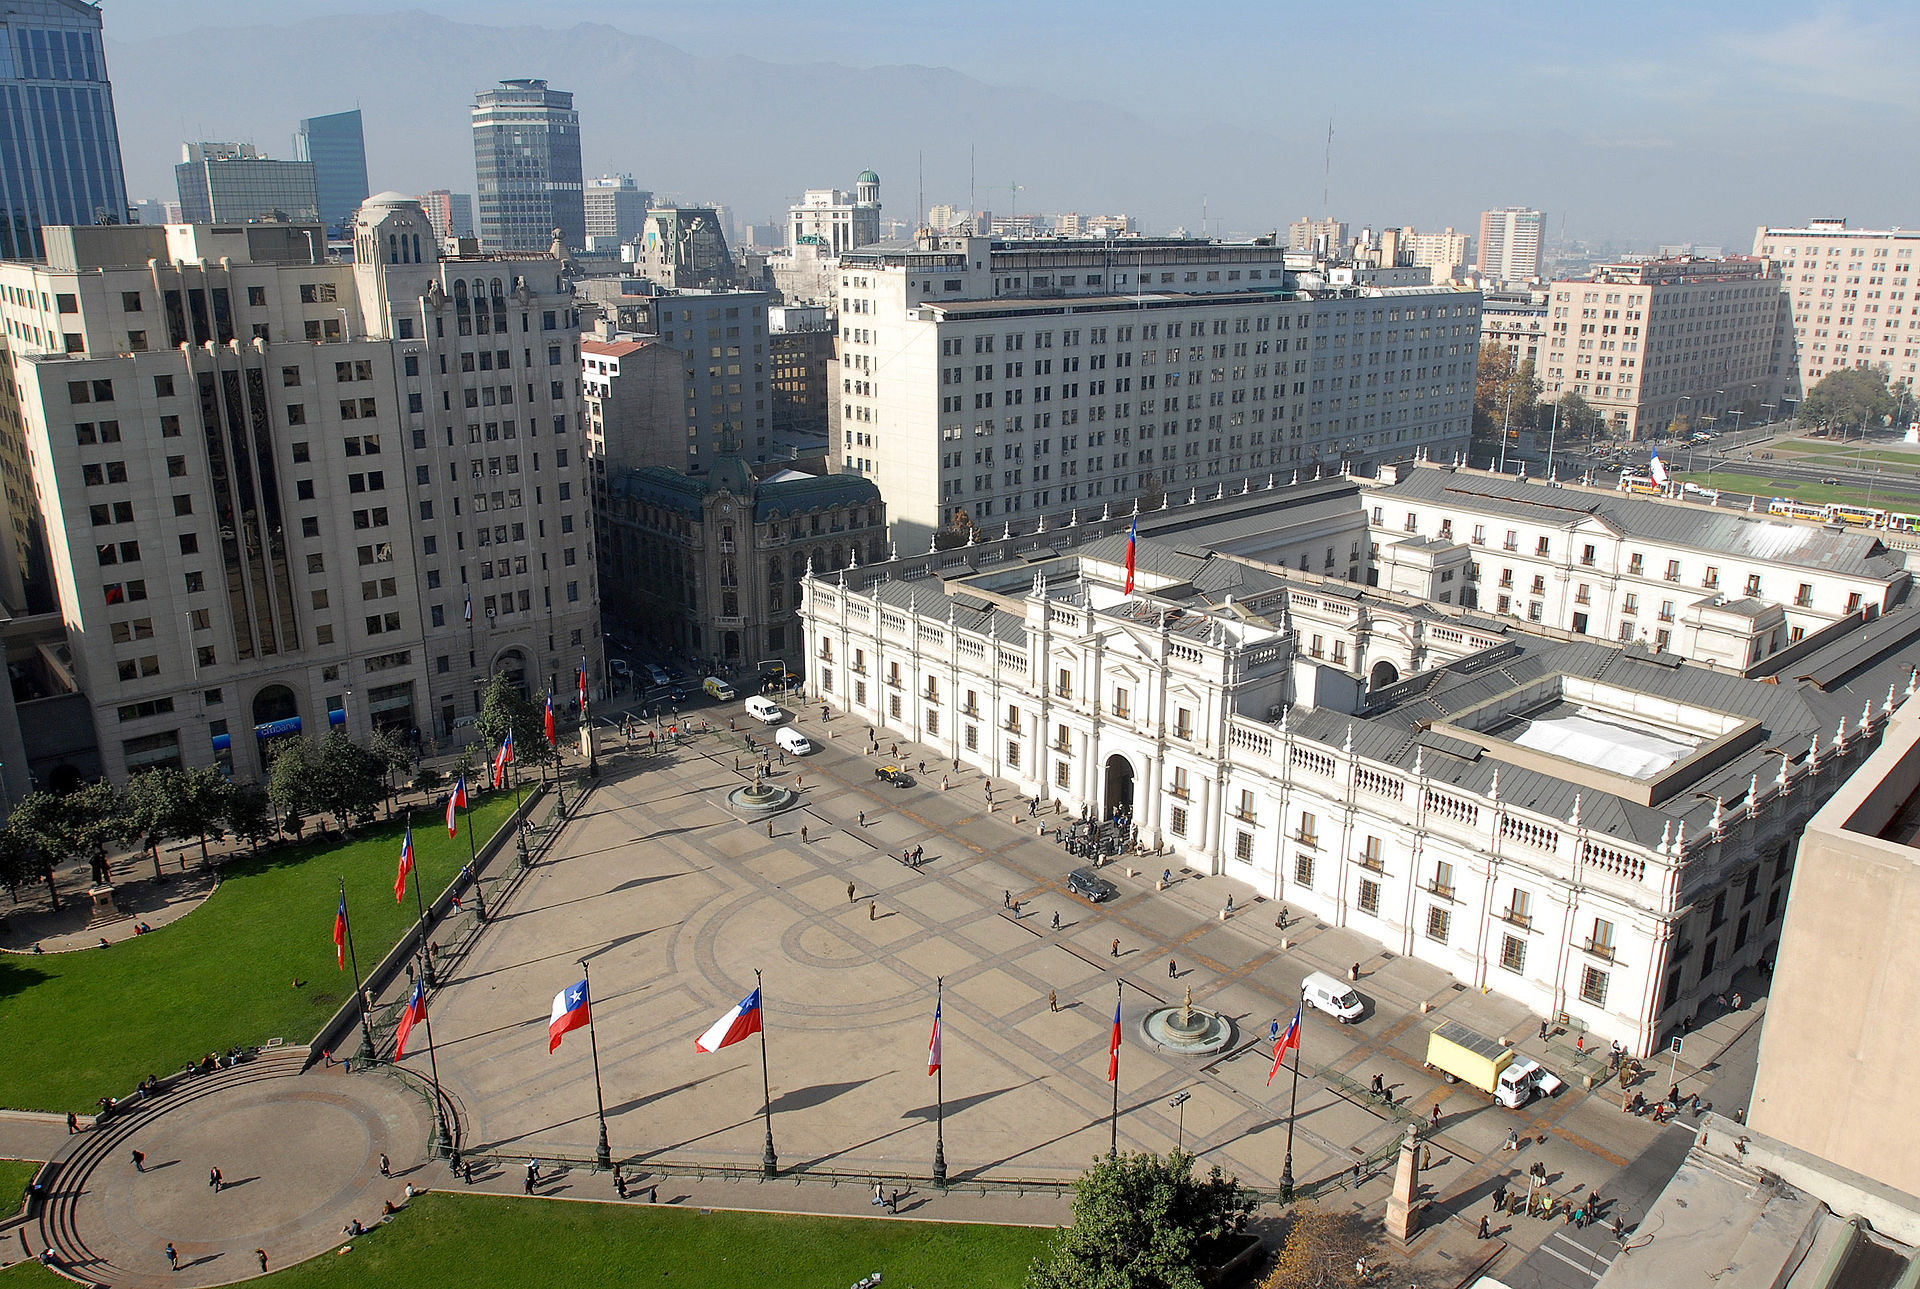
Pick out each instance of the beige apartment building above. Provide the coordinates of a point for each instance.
(1510, 244)
(1647, 341)
(1853, 300)
(1444, 252)
(283, 494)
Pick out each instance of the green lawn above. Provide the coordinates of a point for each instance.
(1811, 493)
(1890, 456)
(458, 1241)
(14, 1176)
(30, 1275)
(91, 1023)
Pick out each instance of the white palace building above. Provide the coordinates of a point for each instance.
(1587, 826)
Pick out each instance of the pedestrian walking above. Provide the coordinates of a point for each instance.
(849, 892)
(893, 1201)
(1486, 1227)
(1229, 902)
(1116, 948)
(73, 1123)
(879, 1195)
(619, 1182)
(386, 1168)
(1673, 1095)
(1053, 1000)
(262, 1255)
(215, 1181)
(1173, 969)
(863, 819)
(1056, 919)
(466, 1173)
(139, 1162)
(653, 1194)
(1543, 1031)
(173, 1257)
(1619, 1227)
(803, 834)
(873, 913)
(1499, 1197)
(1436, 1116)
(1512, 1142)
(527, 1185)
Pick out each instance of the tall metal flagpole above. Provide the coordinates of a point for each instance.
(419, 902)
(433, 1069)
(939, 1094)
(473, 859)
(769, 1162)
(366, 1021)
(603, 1156)
(1293, 1106)
(512, 769)
(1113, 1121)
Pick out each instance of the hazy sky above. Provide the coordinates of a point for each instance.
(1638, 120)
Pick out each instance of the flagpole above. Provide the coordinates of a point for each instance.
(1293, 1106)
(769, 1162)
(419, 902)
(433, 1070)
(519, 809)
(473, 860)
(604, 1155)
(1113, 1122)
(353, 959)
(939, 1095)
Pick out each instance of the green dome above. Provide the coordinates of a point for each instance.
(868, 177)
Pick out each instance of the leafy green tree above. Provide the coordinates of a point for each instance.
(17, 863)
(153, 799)
(1852, 397)
(350, 780)
(504, 708)
(203, 811)
(394, 756)
(291, 779)
(1138, 1220)
(1502, 372)
(82, 822)
(249, 813)
(1578, 418)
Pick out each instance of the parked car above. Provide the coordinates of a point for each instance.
(619, 668)
(895, 775)
(1090, 886)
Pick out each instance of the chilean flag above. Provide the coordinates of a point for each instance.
(406, 865)
(1657, 468)
(583, 685)
(340, 932)
(1133, 531)
(550, 737)
(742, 1020)
(503, 760)
(933, 1046)
(1113, 1047)
(570, 1011)
(457, 801)
(1290, 1039)
(415, 1013)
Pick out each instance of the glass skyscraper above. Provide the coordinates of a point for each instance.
(232, 182)
(338, 151)
(526, 155)
(59, 141)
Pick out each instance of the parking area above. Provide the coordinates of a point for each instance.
(678, 903)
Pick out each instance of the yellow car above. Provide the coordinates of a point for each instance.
(895, 775)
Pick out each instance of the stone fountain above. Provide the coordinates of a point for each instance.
(760, 797)
(1187, 1030)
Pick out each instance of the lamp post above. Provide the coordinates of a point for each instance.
(1505, 418)
(1179, 1102)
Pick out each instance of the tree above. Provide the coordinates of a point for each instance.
(1319, 1252)
(291, 779)
(1502, 372)
(17, 866)
(1852, 397)
(1578, 417)
(250, 814)
(204, 809)
(1137, 1221)
(504, 708)
(393, 755)
(56, 828)
(152, 798)
(349, 779)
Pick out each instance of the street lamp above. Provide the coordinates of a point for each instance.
(1179, 1102)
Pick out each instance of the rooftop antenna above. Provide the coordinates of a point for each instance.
(1326, 178)
(973, 203)
(923, 188)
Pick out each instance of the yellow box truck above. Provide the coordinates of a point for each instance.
(1462, 1056)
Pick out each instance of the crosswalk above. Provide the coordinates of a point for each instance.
(1589, 1261)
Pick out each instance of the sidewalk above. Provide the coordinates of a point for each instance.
(26, 1135)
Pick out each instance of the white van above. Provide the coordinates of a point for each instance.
(764, 709)
(793, 740)
(1332, 997)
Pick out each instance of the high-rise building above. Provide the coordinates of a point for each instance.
(275, 485)
(801, 342)
(681, 247)
(1325, 236)
(338, 150)
(450, 213)
(836, 220)
(526, 155)
(616, 207)
(1834, 277)
(61, 163)
(984, 383)
(233, 183)
(1510, 244)
(1647, 341)
(1445, 253)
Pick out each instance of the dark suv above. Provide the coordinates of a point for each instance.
(1090, 886)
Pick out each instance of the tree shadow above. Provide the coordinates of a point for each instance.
(17, 978)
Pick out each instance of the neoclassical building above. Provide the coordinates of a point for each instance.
(1591, 828)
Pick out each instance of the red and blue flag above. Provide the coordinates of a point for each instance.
(415, 1013)
(740, 1022)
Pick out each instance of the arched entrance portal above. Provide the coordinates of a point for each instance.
(513, 665)
(1119, 795)
(1383, 674)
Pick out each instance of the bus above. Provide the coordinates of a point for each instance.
(1860, 516)
(1799, 510)
(1640, 483)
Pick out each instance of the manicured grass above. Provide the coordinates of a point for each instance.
(1889, 456)
(458, 1241)
(95, 1022)
(1811, 493)
(30, 1275)
(14, 1176)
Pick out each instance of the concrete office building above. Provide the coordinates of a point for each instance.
(1444, 252)
(1737, 591)
(1581, 826)
(1326, 237)
(232, 183)
(836, 220)
(616, 208)
(1836, 1073)
(1854, 301)
(983, 382)
(270, 482)
(712, 564)
(1510, 244)
(526, 156)
(337, 149)
(1076, 225)
(1646, 341)
(801, 344)
(61, 164)
(683, 247)
(1517, 320)
(635, 390)
(450, 213)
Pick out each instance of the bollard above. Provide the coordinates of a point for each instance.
(1223, 915)
(1285, 943)
(1131, 872)
(1159, 885)
(1425, 1007)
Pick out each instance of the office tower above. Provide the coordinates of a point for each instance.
(1834, 278)
(151, 211)
(1510, 244)
(988, 383)
(1647, 341)
(61, 163)
(272, 482)
(615, 208)
(1324, 236)
(837, 220)
(233, 183)
(338, 151)
(450, 213)
(1445, 253)
(526, 155)
(684, 246)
